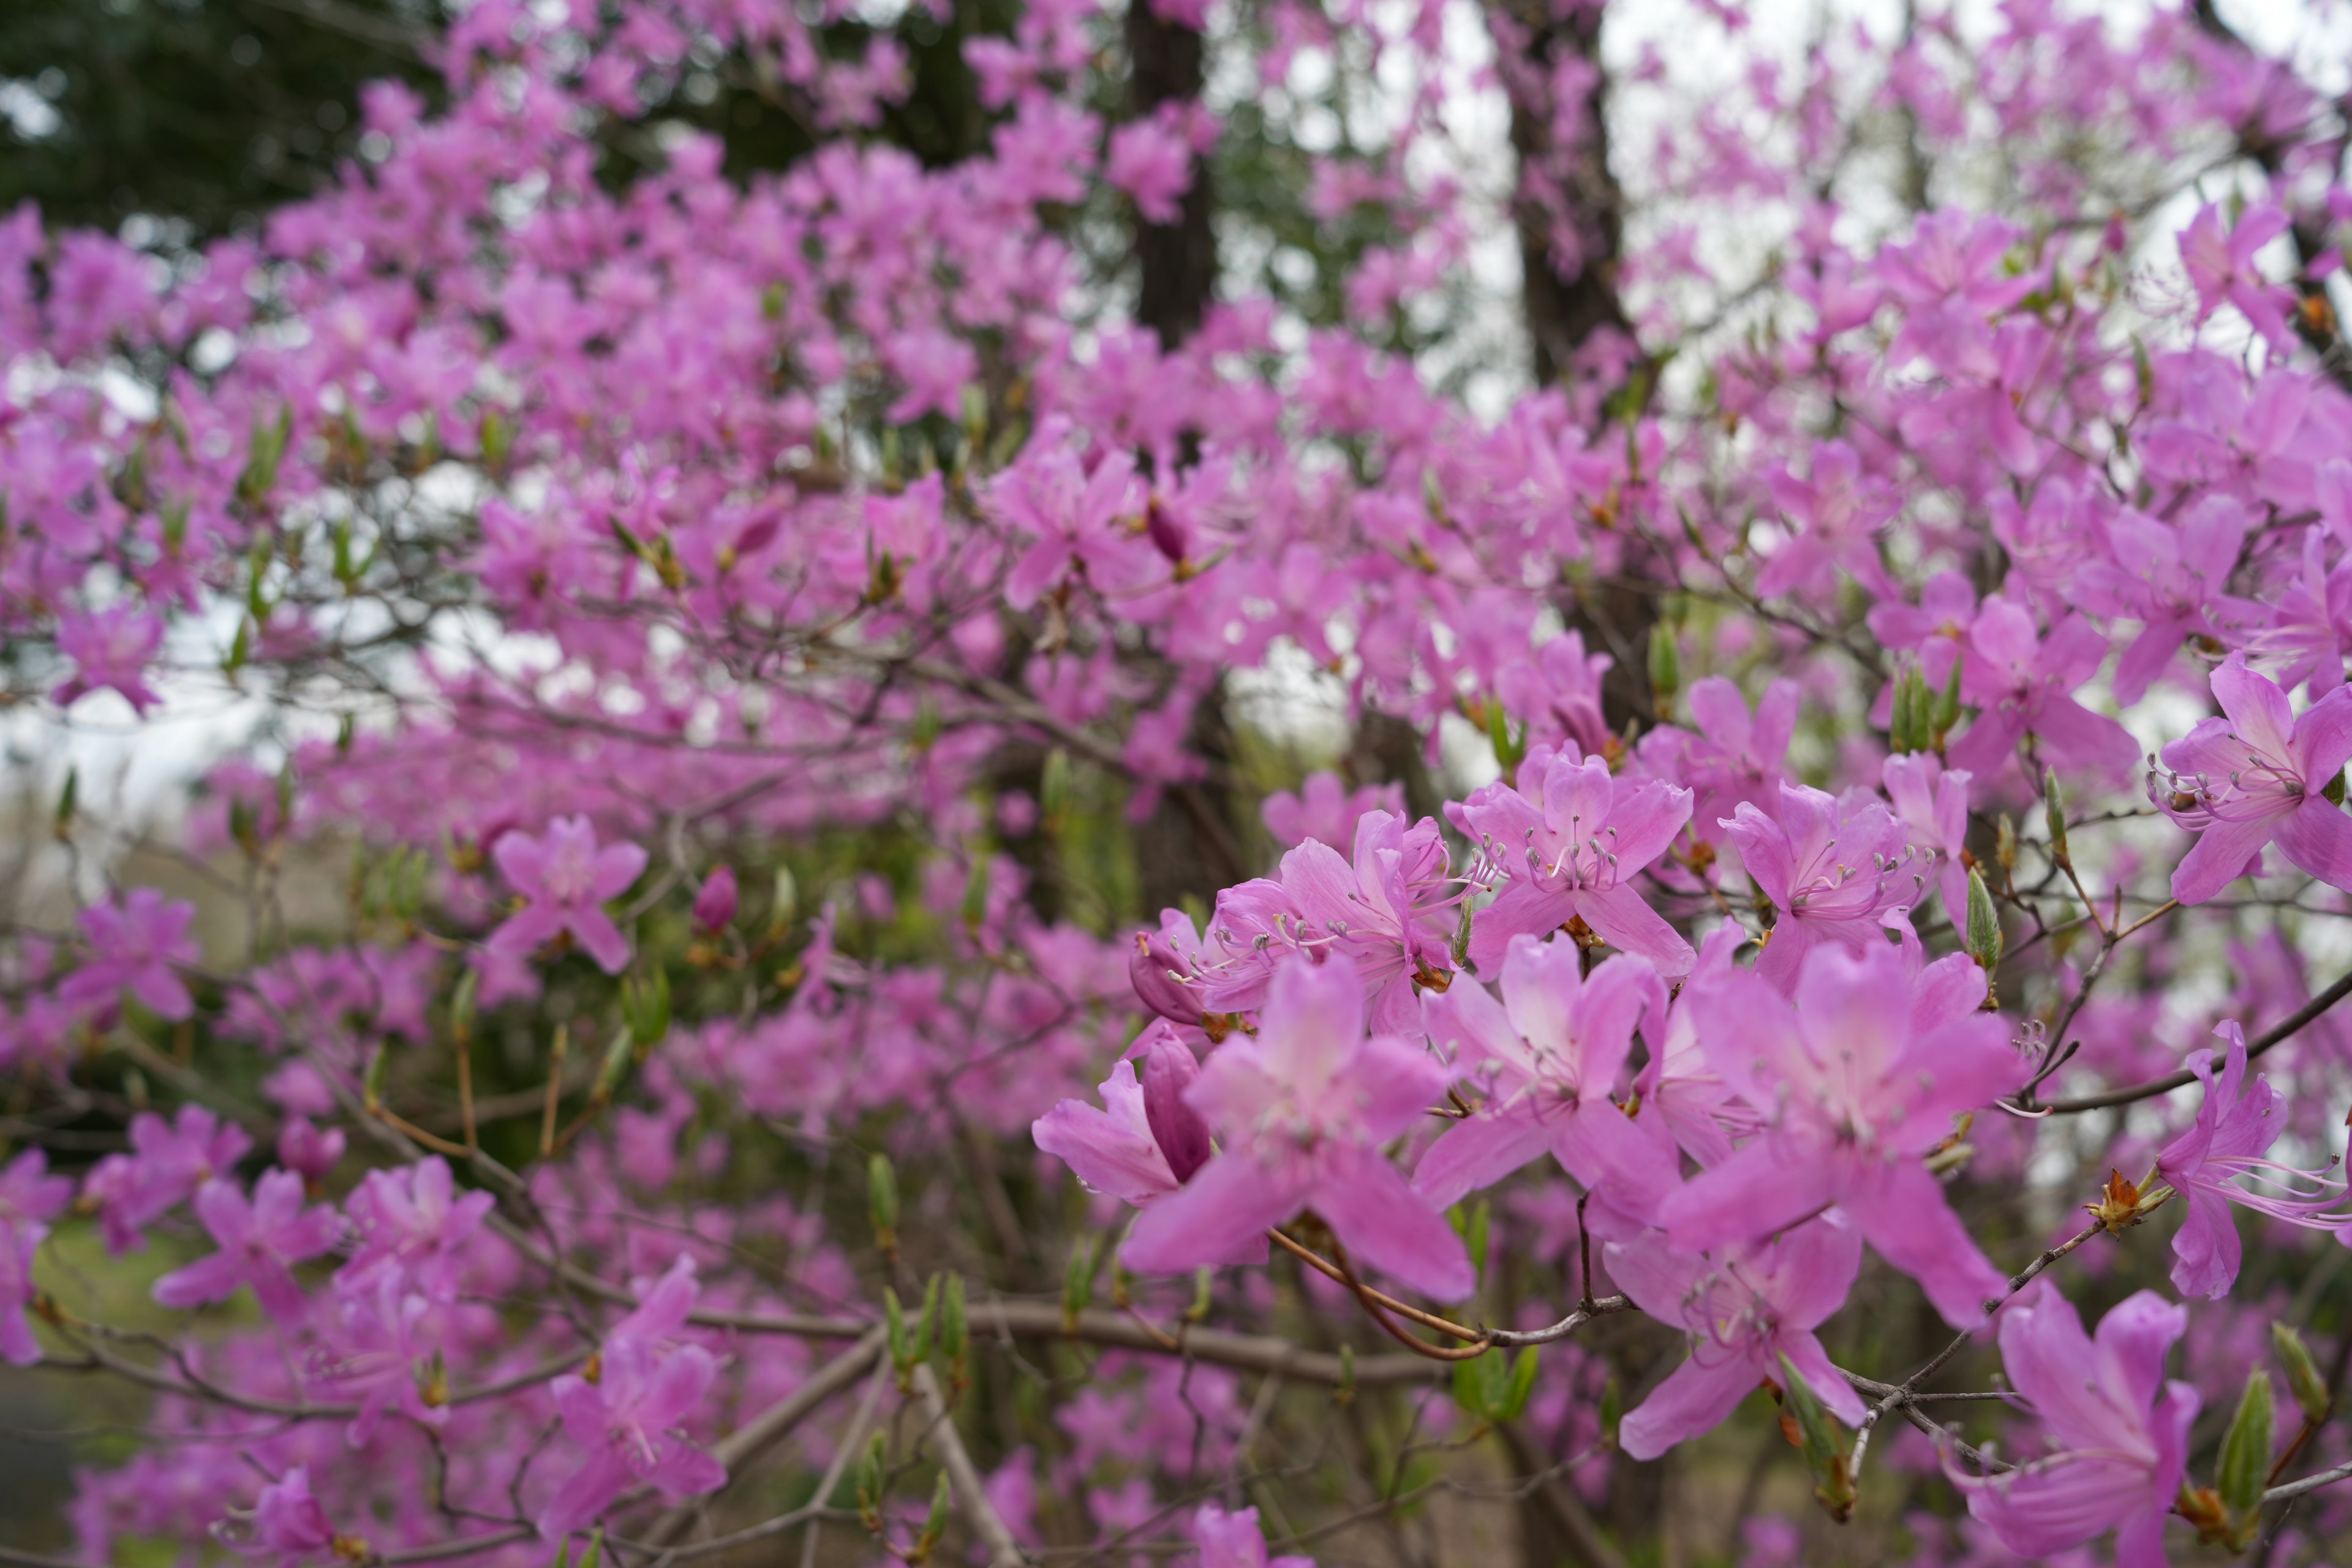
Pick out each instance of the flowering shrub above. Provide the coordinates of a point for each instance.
(1821, 766)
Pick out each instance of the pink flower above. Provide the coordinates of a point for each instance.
(1152, 161)
(2172, 578)
(1325, 809)
(1556, 693)
(1841, 512)
(1859, 1072)
(1147, 1140)
(1234, 1540)
(166, 1163)
(1831, 866)
(259, 1243)
(628, 1420)
(414, 1225)
(134, 946)
(937, 366)
(111, 649)
(2120, 1433)
(2019, 684)
(1932, 803)
(377, 1348)
(2255, 774)
(307, 1152)
(1728, 756)
(2230, 1139)
(1303, 1108)
(1574, 856)
(2221, 267)
(566, 877)
(1390, 913)
(30, 1197)
(714, 902)
(1077, 521)
(1547, 1056)
(1744, 1309)
(1678, 1089)
(288, 1520)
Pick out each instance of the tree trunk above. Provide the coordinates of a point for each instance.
(1179, 260)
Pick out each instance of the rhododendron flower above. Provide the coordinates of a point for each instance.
(1743, 1308)
(1678, 1091)
(2171, 577)
(1326, 809)
(566, 877)
(134, 946)
(166, 1163)
(1859, 1072)
(1572, 838)
(2221, 266)
(2230, 1139)
(1831, 866)
(1234, 1540)
(1146, 1142)
(1303, 1107)
(1076, 520)
(259, 1242)
(1556, 693)
(1152, 161)
(628, 1420)
(308, 1152)
(1547, 1056)
(2253, 775)
(1729, 756)
(415, 1224)
(2118, 1432)
(111, 649)
(375, 1348)
(288, 1520)
(1932, 802)
(2020, 683)
(30, 1198)
(1835, 515)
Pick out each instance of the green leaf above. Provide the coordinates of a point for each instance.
(1521, 1384)
(882, 1202)
(1665, 668)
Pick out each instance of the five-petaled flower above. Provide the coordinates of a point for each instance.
(2256, 774)
(566, 877)
(261, 1241)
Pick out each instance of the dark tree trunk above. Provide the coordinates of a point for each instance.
(1179, 260)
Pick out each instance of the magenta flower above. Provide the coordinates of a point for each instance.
(1326, 809)
(166, 1163)
(1831, 866)
(133, 945)
(1841, 512)
(714, 902)
(1303, 1107)
(1234, 1540)
(1146, 1142)
(1574, 856)
(2255, 774)
(2221, 267)
(1859, 1072)
(1730, 755)
(629, 1419)
(2021, 685)
(259, 1242)
(1076, 520)
(414, 1225)
(1548, 1057)
(288, 1521)
(2171, 577)
(377, 1351)
(1743, 1309)
(1678, 1089)
(111, 649)
(307, 1152)
(1152, 161)
(1932, 803)
(2118, 1432)
(1556, 693)
(2230, 1139)
(566, 877)
(30, 1197)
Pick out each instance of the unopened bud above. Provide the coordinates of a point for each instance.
(1156, 972)
(1183, 1137)
(2303, 1379)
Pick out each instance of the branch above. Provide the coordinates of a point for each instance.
(2285, 1029)
(1003, 1552)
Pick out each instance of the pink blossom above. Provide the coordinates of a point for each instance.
(1234, 1540)
(566, 877)
(111, 649)
(307, 1152)
(2171, 577)
(288, 1520)
(2118, 1433)
(1743, 1308)
(1570, 840)
(166, 1163)
(1860, 1071)
(1075, 519)
(1831, 866)
(1152, 161)
(1548, 1057)
(414, 1225)
(1840, 510)
(2221, 266)
(1326, 809)
(1303, 1107)
(30, 1198)
(2230, 1139)
(2021, 683)
(2254, 775)
(714, 902)
(259, 1242)
(1932, 803)
(136, 945)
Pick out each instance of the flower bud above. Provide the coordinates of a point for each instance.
(1156, 972)
(1176, 1126)
(714, 906)
(2303, 1378)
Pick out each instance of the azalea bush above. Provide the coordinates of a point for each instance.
(1073, 849)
